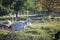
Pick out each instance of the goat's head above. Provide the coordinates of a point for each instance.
(28, 21)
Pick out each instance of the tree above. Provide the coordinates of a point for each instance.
(18, 6)
(22, 5)
(39, 6)
(46, 5)
(56, 6)
(30, 4)
(7, 3)
(0, 1)
(3, 12)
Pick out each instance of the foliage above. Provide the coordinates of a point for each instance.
(3, 12)
(40, 5)
(48, 5)
(17, 5)
(0, 1)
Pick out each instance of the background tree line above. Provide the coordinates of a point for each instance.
(38, 5)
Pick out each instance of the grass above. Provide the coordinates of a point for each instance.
(44, 30)
(37, 31)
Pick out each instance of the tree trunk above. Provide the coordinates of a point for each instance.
(16, 16)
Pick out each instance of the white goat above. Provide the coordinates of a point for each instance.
(19, 25)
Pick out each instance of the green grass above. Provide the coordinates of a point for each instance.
(37, 31)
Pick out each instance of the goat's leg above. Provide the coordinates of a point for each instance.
(24, 30)
(10, 32)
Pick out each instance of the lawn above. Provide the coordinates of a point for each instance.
(37, 31)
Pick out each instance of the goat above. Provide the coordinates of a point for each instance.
(19, 25)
